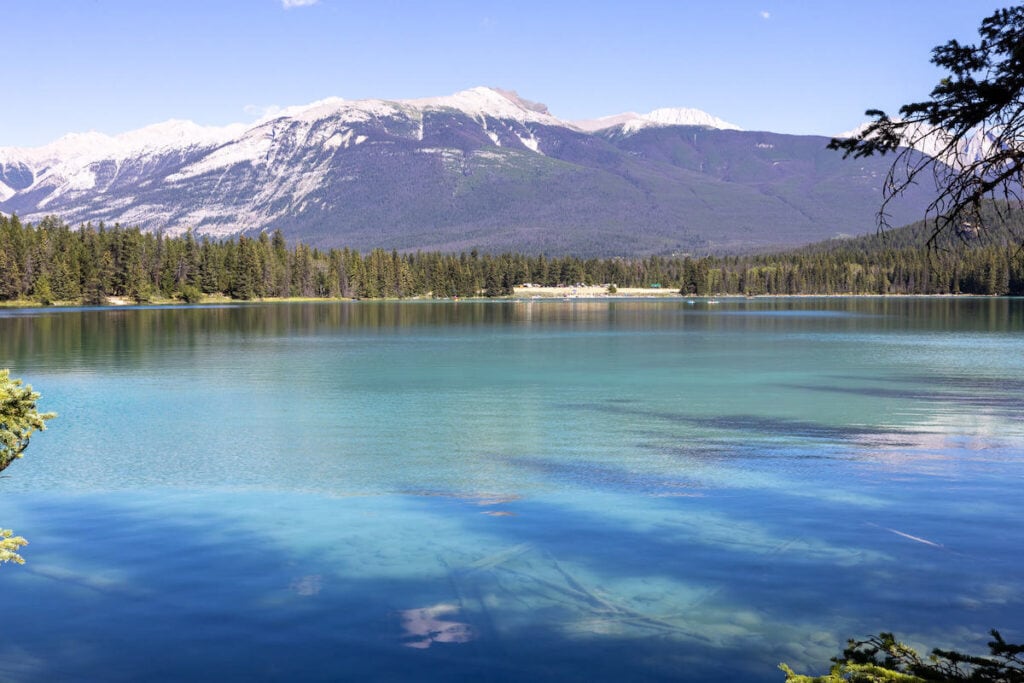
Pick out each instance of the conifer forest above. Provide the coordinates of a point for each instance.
(52, 262)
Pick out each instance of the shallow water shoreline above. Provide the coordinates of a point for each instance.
(521, 294)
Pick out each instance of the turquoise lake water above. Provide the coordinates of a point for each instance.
(511, 491)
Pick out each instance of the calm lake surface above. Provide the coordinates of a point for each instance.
(511, 491)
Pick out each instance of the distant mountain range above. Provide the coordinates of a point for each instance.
(483, 168)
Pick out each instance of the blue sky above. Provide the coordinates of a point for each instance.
(809, 66)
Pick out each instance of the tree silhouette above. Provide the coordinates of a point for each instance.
(972, 128)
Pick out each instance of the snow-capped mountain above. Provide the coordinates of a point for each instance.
(481, 168)
(67, 163)
(631, 122)
(79, 173)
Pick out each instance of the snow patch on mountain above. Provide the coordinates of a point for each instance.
(351, 111)
(307, 183)
(631, 122)
(74, 147)
(174, 134)
(343, 138)
(482, 101)
(594, 125)
(78, 149)
(679, 116)
(251, 147)
(531, 143)
(512, 95)
(84, 179)
(476, 102)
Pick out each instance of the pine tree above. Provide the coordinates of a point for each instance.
(19, 420)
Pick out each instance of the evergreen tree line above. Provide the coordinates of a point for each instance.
(51, 262)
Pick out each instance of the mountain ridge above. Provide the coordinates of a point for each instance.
(482, 168)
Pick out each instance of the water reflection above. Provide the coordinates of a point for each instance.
(130, 337)
(426, 626)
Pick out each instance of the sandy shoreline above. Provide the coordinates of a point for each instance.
(591, 292)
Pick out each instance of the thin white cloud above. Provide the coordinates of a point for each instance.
(289, 4)
(261, 111)
(765, 14)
